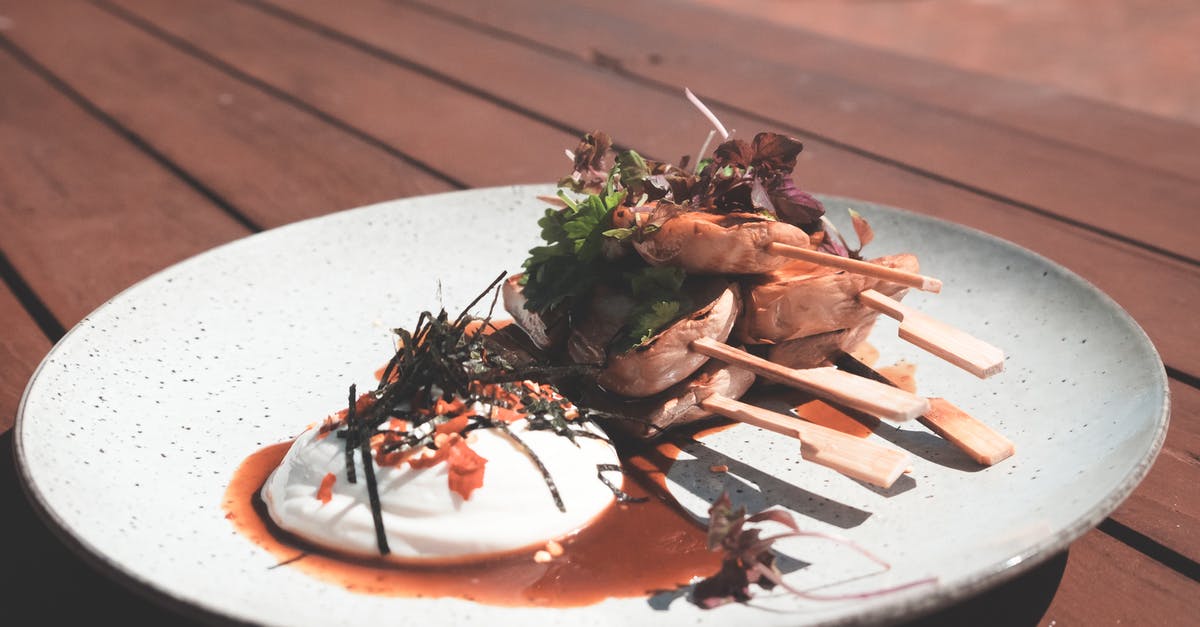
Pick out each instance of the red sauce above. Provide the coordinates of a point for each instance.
(631, 550)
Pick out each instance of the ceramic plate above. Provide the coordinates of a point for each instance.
(133, 425)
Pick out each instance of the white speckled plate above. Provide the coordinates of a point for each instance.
(133, 425)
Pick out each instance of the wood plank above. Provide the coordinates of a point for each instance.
(22, 346)
(1165, 507)
(1073, 588)
(382, 99)
(1128, 135)
(213, 126)
(1158, 291)
(1108, 583)
(83, 213)
(1063, 180)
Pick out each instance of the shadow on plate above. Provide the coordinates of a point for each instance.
(917, 441)
(754, 489)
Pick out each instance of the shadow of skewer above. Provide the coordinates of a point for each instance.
(754, 489)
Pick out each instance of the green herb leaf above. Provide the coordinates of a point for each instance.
(657, 283)
(570, 263)
(646, 324)
(620, 234)
(658, 294)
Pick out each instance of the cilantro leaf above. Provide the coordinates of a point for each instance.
(657, 282)
(571, 262)
(650, 320)
(659, 301)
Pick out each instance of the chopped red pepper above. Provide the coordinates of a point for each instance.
(325, 492)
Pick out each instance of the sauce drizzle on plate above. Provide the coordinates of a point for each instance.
(631, 550)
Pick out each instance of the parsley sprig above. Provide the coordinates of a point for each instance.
(571, 262)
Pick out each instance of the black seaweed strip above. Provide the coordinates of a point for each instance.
(537, 462)
(289, 560)
(351, 438)
(588, 434)
(622, 496)
(364, 444)
(466, 310)
(595, 413)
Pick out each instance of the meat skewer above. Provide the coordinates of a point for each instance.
(854, 457)
(796, 302)
(910, 279)
(659, 273)
(713, 243)
(683, 347)
(955, 346)
(975, 438)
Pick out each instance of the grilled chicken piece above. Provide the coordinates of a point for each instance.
(545, 334)
(798, 301)
(710, 243)
(667, 358)
(814, 351)
(677, 405)
(592, 334)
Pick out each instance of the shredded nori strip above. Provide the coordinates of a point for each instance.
(584, 433)
(537, 462)
(372, 486)
(651, 428)
(351, 434)
(289, 560)
(622, 496)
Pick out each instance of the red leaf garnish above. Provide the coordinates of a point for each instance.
(747, 556)
(775, 515)
(749, 560)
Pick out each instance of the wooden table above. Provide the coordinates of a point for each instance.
(135, 133)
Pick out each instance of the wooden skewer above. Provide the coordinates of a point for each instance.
(976, 439)
(865, 395)
(972, 436)
(955, 346)
(854, 457)
(866, 268)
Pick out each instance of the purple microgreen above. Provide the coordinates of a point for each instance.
(590, 172)
(775, 515)
(794, 205)
(749, 559)
(833, 243)
(775, 153)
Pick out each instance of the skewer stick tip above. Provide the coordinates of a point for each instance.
(981, 442)
(924, 331)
